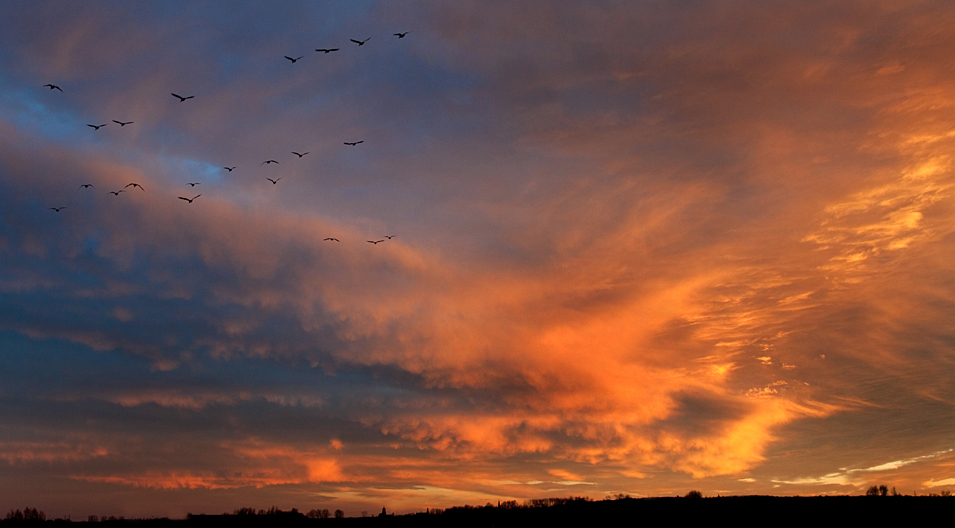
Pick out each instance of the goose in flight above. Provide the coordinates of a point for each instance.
(266, 162)
(293, 60)
(190, 199)
(116, 193)
(86, 186)
(274, 181)
(58, 209)
(328, 50)
(97, 127)
(181, 98)
(355, 143)
(402, 35)
(230, 169)
(120, 123)
(374, 241)
(193, 184)
(360, 42)
(330, 239)
(299, 155)
(389, 237)
(135, 185)
(53, 87)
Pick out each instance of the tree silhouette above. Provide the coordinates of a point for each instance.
(28, 514)
(877, 491)
(317, 514)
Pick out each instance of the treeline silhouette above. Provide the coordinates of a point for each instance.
(878, 505)
(27, 514)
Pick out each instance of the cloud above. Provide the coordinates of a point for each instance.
(943, 482)
(856, 477)
(689, 244)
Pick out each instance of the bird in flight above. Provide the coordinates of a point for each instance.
(86, 186)
(299, 155)
(374, 241)
(53, 87)
(293, 60)
(389, 237)
(327, 51)
(360, 42)
(181, 98)
(97, 127)
(331, 239)
(402, 35)
(230, 169)
(355, 143)
(193, 184)
(120, 123)
(190, 199)
(266, 162)
(135, 185)
(274, 181)
(116, 193)
(58, 209)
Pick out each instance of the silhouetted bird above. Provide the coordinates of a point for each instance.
(120, 123)
(402, 35)
(360, 42)
(274, 181)
(135, 185)
(355, 143)
(266, 162)
(299, 155)
(97, 127)
(181, 98)
(331, 239)
(389, 237)
(193, 184)
(53, 87)
(190, 199)
(116, 193)
(230, 169)
(327, 51)
(293, 60)
(86, 186)
(375, 241)
(58, 209)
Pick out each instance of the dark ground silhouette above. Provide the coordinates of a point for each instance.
(578, 511)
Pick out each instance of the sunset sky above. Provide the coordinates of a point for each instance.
(639, 247)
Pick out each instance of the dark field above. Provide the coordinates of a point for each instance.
(680, 511)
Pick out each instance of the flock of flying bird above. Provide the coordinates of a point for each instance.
(183, 99)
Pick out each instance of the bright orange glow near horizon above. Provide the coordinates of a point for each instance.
(582, 250)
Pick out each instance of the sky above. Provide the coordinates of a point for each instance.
(637, 247)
